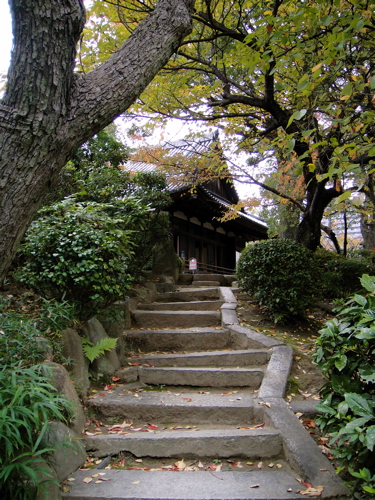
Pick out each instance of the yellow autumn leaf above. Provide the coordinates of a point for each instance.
(316, 67)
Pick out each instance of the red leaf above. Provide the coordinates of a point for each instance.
(308, 485)
(152, 426)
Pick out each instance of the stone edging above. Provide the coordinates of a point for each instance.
(278, 368)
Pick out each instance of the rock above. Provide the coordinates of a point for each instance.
(70, 453)
(43, 347)
(78, 364)
(165, 287)
(50, 490)
(166, 260)
(166, 279)
(117, 317)
(61, 381)
(185, 279)
(108, 362)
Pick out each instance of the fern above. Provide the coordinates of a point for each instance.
(93, 351)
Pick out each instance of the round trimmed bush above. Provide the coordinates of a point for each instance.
(279, 275)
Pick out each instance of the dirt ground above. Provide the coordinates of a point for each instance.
(305, 379)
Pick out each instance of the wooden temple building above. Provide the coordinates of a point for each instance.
(196, 227)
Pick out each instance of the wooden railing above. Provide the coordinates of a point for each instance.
(208, 269)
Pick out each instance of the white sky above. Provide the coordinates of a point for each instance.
(5, 36)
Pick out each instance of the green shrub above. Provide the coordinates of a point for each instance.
(346, 355)
(27, 404)
(81, 251)
(278, 274)
(338, 276)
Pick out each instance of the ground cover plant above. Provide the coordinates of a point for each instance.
(346, 355)
(28, 402)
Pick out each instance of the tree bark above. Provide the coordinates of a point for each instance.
(48, 111)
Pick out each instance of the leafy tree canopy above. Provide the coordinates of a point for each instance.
(281, 78)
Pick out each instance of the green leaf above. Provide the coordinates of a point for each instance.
(359, 405)
(370, 437)
(297, 115)
(343, 197)
(368, 282)
(340, 362)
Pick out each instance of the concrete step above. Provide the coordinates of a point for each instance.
(163, 485)
(188, 295)
(186, 339)
(213, 358)
(206, 283)
(258, 443)
(202, 377)
(183, 407)
(176, 319)
(202, 305)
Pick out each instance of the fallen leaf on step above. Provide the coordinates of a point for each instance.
(271, 465)
(254, 486)
(136, 482)
(218, 467)
(151, 426)
(187, 399)
(249, 463)
(180, 464)
(87, 480)
(116, 379)
(246, 428)
(312, 492)
(200, 465)
(265, 404)
(259, 426)
(260, 465)
(138, 460)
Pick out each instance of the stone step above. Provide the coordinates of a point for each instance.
(163, 485)
(175, 319)
(186, 339)
(184, 407)
(207, 277)
(188, 295)
(202, 377)
(202, 305)
(213, 358)
(258, 443)
(206, 283)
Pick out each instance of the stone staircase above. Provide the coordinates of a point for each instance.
(203, 391)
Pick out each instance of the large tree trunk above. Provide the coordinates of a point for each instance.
(48, 111)
(318, 199)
